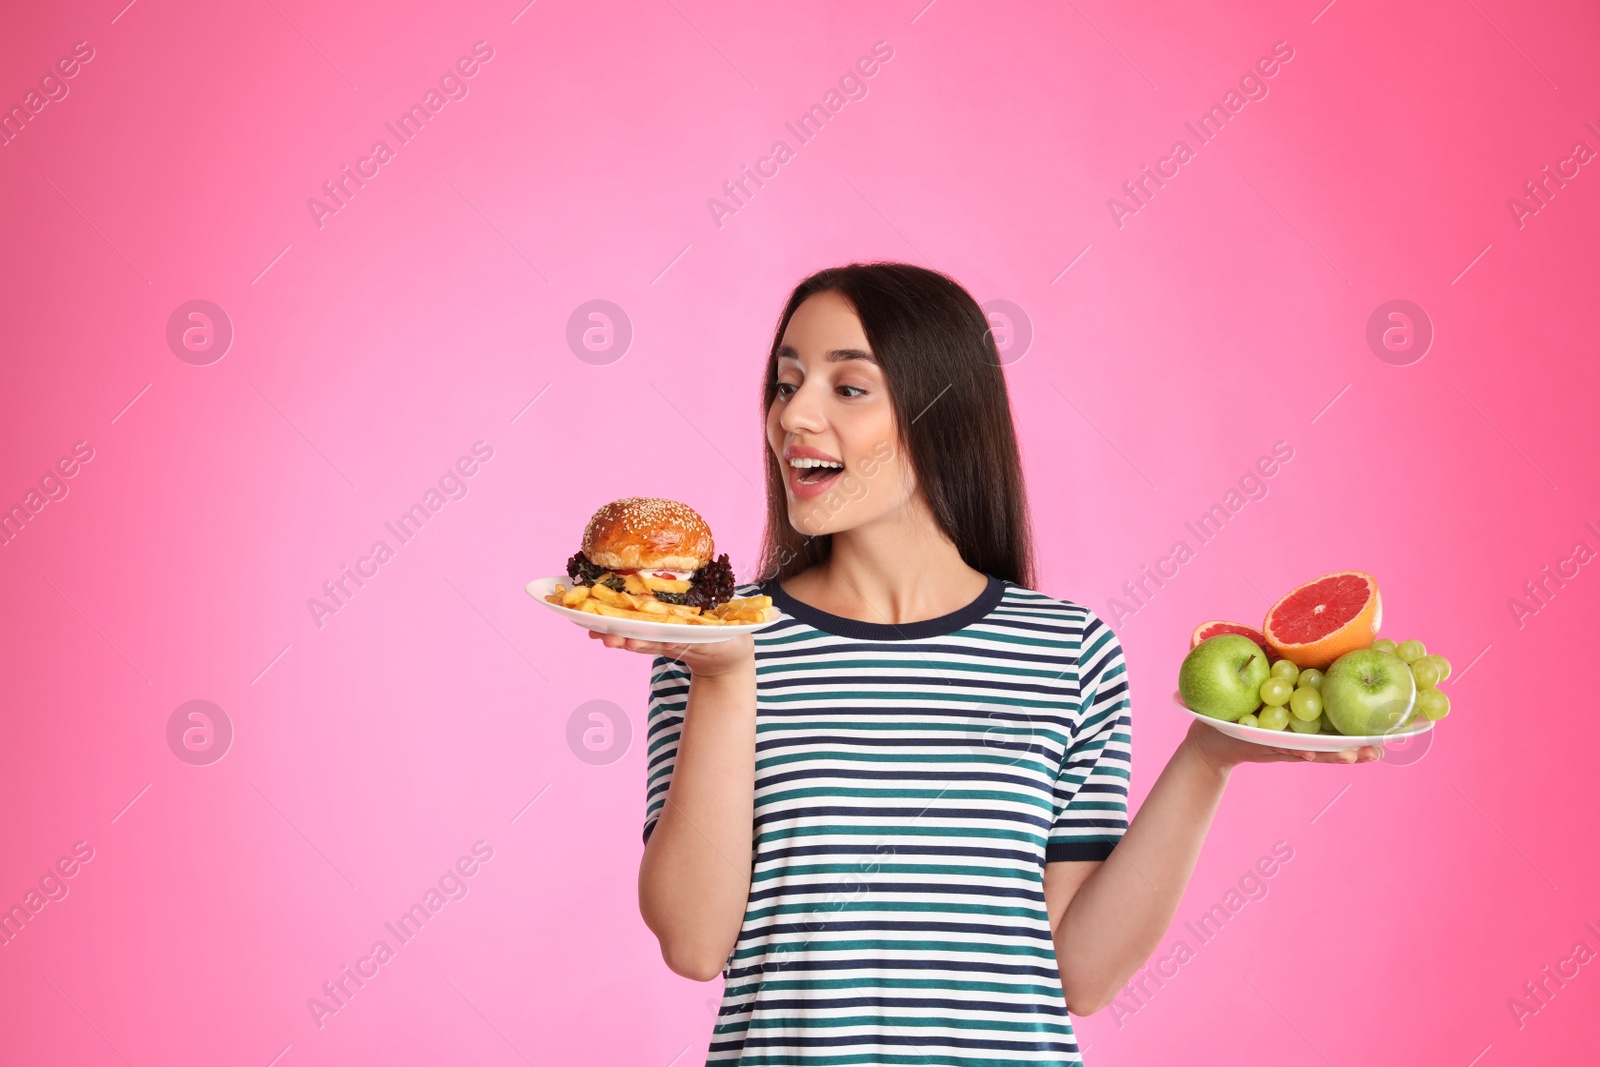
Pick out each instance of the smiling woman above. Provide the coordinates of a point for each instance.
(900, 364)
(895, 819)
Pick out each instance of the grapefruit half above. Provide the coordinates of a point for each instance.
(1323, 619)
(1218, 626)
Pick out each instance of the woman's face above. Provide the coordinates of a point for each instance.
(833, 404)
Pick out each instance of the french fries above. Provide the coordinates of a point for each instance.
(743, 610)
(637, 600)
(644, 584)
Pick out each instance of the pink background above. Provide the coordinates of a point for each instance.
(372, 751)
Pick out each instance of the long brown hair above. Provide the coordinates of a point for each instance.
(948, 391)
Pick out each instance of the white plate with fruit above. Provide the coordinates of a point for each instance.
(1315, 677)
(1298, 741)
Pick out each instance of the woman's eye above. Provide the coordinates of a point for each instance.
(783, 390)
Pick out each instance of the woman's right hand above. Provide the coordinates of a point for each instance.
(716, 659)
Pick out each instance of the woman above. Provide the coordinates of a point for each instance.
(896, 818)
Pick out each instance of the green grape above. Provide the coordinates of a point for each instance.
(1274, 718)
(1438, 661)
(1306, 704)
(1433, 704)
(1311, 678)
(1410, 651)
(1426, 673)
(1248, 720)
(1275, 692)
(1286, 670)
(1383, 644)
(1325, 725)
(1300, 726)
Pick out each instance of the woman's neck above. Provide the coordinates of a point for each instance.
(896, 570)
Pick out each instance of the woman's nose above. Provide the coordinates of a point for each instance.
(802, 412)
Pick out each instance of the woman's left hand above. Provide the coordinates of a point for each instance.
(1223, 752)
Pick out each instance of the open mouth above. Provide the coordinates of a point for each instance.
(815, 471)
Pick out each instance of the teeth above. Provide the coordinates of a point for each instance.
(802, 463)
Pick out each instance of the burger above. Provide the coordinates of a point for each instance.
(664, 546)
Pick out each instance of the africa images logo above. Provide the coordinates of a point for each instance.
(452, 85)
(452, 485)
(1207, 128)
(811, 122)
(53, 89)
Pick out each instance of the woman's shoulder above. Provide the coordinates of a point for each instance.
(1059, 613)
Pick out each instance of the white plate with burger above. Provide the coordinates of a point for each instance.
(647, 570)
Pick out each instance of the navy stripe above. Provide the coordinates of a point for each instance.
(912, 782)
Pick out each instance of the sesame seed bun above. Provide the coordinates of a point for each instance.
(639, 532)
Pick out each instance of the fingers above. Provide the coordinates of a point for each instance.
(1365, 754)
(650, 648)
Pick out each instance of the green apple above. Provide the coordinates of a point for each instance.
(1222, 677)
(1368, 692)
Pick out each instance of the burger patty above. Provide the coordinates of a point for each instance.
(711, 585)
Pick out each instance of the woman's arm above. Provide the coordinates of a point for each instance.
(1113, 914)
(694, 878)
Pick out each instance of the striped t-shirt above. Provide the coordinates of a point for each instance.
(911, 782)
